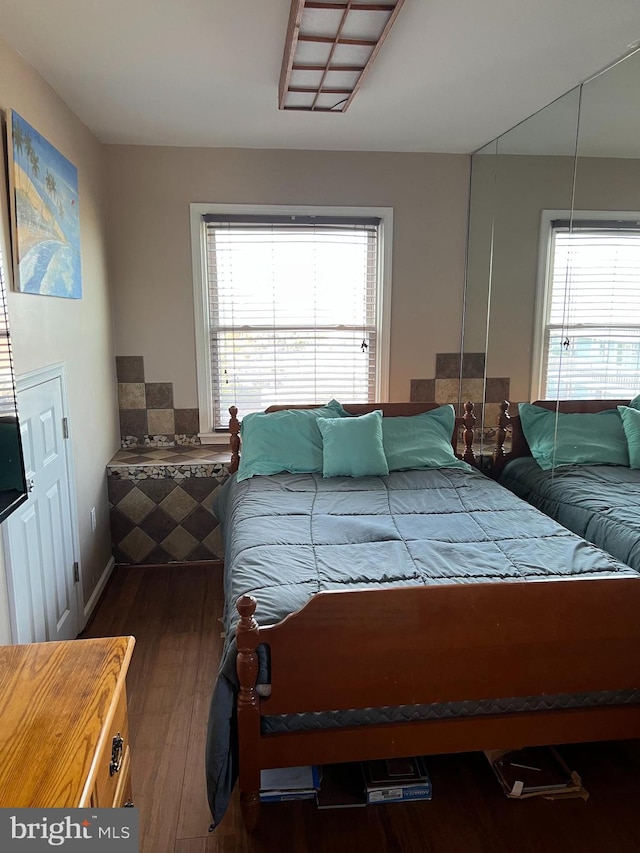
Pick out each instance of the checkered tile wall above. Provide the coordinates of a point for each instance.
(161, 506)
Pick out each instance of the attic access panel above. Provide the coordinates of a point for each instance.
(329, 49)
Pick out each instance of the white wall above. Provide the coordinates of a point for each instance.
(47, 330)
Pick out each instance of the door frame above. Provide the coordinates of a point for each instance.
(24, 382)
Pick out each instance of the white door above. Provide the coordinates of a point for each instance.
(39, 538)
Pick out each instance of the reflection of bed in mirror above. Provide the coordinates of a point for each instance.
(600, 502)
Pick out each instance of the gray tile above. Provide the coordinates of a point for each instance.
(158, 525)
(199, 523)
(157, 489)
(130, 368)
(161, 422)
(200, 488)
(131, 395)
(120, 525)
(159, 395)
(136, 506)
(214, 542)
(158, 555)
(137, 545)
(179, 543)
(119, 556)
(118, 488)
(447, 391)
(133, 422)
(473, 365)
(202, 553)
(422, 390)
(472, 389)
(187, 421)
(497, 390)
(178, 504)
(447, 365)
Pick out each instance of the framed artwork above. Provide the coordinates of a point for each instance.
(46, 220)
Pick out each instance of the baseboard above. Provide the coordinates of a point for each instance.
(98, 590)
(188, 564)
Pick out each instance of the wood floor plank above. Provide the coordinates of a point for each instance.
(173, 612)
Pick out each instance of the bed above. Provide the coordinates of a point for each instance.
(428, 611)
(600, 502)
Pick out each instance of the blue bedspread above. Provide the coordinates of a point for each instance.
(599, 502)
(290, 536)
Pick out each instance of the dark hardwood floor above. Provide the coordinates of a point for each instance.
(174, 613)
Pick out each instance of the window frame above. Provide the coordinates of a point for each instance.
(543, 279)
(200, 293)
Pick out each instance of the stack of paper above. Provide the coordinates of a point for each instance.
(396, 779)
(535, 772)
(289, 783)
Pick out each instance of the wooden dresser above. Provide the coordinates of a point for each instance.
(64, 734)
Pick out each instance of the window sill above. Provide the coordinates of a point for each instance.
(219, 438)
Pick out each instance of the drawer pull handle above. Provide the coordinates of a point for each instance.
(116, 754)
(128, 804)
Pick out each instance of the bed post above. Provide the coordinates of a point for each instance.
(248, 711)
(504, 421)
(468, 420)
(234, 439)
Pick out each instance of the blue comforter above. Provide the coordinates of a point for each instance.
(289, 536)
(599, 502)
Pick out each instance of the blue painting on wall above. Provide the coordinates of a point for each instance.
(46, 215)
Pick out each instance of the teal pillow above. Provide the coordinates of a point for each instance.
(287, 440)
(352, 447)
(635, 403)
(631, 425)
(596, 439)
(421, 441)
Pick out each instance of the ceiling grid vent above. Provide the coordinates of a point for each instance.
(329, 49)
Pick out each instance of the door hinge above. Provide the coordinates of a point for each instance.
(65, 428)
(76, 573)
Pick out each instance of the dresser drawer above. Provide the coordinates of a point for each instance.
(113, 761)
(123, 793)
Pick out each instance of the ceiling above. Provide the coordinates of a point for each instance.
(451, 75)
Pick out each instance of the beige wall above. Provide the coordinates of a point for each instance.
(149, 192)
(78, 333)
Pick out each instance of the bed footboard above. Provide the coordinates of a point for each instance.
(445, 643)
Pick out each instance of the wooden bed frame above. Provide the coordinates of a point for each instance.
(519, 444)
(444, 643)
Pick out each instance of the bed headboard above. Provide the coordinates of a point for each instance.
(464, 426)
(519, 445)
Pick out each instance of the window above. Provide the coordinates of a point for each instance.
(289, 308)
(591, 335)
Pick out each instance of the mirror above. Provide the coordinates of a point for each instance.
(525, 171)
(13, 487)
(599, 357)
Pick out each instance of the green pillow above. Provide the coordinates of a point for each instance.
(635, 403)
(352, 447)
(421, 441)
(287, 440)
(631, 424)
(596, 439)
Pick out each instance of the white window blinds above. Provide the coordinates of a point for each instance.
(592, 335)
(292, 310)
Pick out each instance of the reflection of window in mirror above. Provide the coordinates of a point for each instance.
(587, 343)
